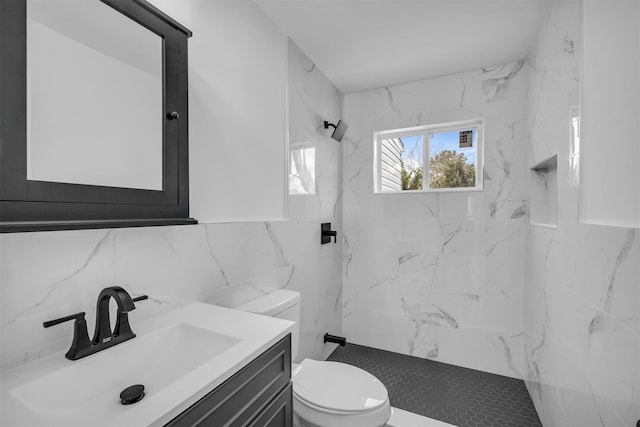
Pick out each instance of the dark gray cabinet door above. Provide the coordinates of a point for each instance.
(279, 413)
(248, 395)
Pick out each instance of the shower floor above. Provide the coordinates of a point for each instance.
(460, 396)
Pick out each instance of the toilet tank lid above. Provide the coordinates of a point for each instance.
(271, 303)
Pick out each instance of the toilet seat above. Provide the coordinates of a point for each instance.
(325, 393)
(338, 388)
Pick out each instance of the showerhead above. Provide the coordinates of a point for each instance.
(339, 129)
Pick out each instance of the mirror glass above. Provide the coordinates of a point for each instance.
(94, 95)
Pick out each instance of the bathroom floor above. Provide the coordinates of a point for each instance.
(460, 396)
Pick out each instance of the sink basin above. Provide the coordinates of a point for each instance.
(155, 361)
(179, 357)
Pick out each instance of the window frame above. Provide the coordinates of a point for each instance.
(304, 145)
(424, 131)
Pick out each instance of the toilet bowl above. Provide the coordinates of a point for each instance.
(337, 394)
(325, 394)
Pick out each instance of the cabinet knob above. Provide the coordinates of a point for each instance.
(173, 115)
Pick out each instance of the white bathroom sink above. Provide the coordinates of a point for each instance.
(155, 361)
(178, 357)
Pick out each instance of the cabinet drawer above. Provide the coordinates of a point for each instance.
(246, 394)
(279, 413)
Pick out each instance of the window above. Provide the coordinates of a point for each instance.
(302, 170)
(445, 157)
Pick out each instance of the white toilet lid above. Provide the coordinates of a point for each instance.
(338, 387)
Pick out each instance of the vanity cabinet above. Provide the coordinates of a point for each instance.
(259, 395)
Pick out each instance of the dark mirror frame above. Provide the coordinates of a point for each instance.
(27, 205)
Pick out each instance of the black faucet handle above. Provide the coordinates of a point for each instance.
(77, 317)
(140, 298)
(81, 344)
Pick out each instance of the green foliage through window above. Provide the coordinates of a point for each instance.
(411, 178)
(449, 169)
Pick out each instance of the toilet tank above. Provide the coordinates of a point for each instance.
(283, 304)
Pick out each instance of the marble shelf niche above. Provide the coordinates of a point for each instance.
(543, 193)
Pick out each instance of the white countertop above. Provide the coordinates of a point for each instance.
(253, 333)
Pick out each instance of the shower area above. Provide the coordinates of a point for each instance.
(506, 280)
(441, 275)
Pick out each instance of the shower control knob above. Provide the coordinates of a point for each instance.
(326, 233)
(173, 115)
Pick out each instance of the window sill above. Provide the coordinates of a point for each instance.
(432, 191)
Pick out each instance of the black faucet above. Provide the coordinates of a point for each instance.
(103, 333)
(103, 336)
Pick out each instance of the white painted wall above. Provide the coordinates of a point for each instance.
(237, 110)
(610, 139)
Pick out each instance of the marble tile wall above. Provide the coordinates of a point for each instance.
(50, 274)
(582, 310)
(313, 99)
(440, 276)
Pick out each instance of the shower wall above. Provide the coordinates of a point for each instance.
(582, 281)
(440, 276)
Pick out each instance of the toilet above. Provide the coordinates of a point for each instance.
(325, 394)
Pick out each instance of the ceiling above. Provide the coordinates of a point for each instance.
(367, 44)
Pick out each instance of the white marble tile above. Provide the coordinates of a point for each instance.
(440, 275)
(612, 365)
(582, 295)
(313, 99)
(547, 406)
(502, 239)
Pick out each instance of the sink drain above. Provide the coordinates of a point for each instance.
(132, 394)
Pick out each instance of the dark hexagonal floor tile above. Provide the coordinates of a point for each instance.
(456, 395)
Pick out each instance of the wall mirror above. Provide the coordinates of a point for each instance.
(94, 115)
